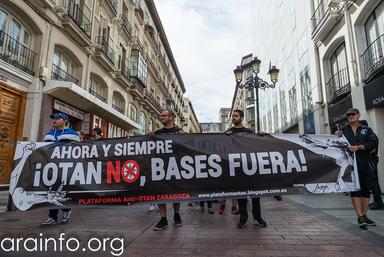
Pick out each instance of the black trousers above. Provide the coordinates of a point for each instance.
(375, 186)
(209, 203)
(256, 212)
(53, 213)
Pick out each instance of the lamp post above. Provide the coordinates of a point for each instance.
(256, 83)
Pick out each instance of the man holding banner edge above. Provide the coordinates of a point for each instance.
(238, 128)
(362, 142)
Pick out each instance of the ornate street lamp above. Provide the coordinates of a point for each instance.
(256, 83)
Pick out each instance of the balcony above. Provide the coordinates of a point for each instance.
(373, 58)
(105, 53)
(124, 75)
(117, 108)
(99, 96)
(60, 74)
(113, 4)
(127, 27)
(338, 86)
(324, 18)
(76, 21)
(16, 54)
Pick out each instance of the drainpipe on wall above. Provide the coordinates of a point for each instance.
(348, 22)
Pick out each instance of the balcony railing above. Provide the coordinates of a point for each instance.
(320, 13)
(114, 5)
(373, 57)
(105, 48)
(117, 108)
(15, 53)
(338, 85)
(77, 15)
(60, 74)
(98, 95)
(127, 26)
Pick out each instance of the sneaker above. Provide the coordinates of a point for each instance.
(242, 224)
(66, 217)
(260, 221)
(278, 197)
(222, 209)
(210, 211)
(369, 221)
(48, 222)
(201, 209)
(161, 225)
(152, 208)
(234, 210)
(376, 206)
(177, 220)
(362, 222)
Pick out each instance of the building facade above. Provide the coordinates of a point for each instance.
(105, 63)
(327, 65)
(190, 122)
(293, 106)
(348, 36)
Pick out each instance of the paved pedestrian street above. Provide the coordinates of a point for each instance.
(297, 226)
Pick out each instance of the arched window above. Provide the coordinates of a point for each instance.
(98, 88)
(338, 83)
(143, 123)
(15, 41)
(132, 112)
(64, 67)
(118, 102)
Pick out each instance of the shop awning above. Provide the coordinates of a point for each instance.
(76, 96)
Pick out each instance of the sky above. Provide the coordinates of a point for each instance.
(208, 39)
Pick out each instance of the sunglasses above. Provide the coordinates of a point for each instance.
(351, 114)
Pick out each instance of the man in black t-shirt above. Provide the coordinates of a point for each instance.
(167, 118)
(238, 128)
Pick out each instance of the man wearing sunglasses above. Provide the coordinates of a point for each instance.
(363, 142)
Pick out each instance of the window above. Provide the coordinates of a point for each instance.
(132, 112)
(293, 104)
(338, 60)
(118, 102)
(139, 67)
(15, 40)
(62, 67)
(3, 18)
(143, 123)
(374, 26)
(98, 89)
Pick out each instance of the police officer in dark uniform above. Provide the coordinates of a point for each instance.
(238, 128)
(363, 142)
